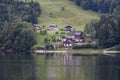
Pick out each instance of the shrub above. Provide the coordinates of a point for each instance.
(36, 47)
(86, 46)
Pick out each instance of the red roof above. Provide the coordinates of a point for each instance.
(68, 42)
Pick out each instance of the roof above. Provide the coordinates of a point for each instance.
(76, 33)
(52, 25)
(68, 27)
(68, 37)
(68, 42)
(36, 25)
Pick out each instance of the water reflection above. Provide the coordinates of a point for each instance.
(108, 68)
(16, 67)
(59, 67)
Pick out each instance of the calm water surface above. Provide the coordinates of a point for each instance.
(59, 67)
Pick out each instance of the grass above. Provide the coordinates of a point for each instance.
(40, 37)
(72, 15)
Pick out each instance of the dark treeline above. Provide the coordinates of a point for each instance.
(107, 29)
(16, 19)
(27, 11)
(101, 6)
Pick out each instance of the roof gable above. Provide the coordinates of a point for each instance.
(76, 33)
(68, 27)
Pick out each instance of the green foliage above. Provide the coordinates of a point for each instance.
(86, 46)
(117, 48)
(43, 32)
(24, 39)
(108, 29)
(62, 8)
(27, 11)
(49, 47)
(36, 47)
(102, 6)
(15, 32)
(90, 29)
(18, 37)
(88, 40)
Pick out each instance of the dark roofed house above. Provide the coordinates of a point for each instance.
(69, 37)
(77, 34)
(68, 28)
(65, 38)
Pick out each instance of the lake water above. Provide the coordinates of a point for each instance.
(59, 67)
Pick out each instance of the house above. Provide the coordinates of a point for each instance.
(36, 26)
(77, 34)
(69, 37)
(68, 43)
(79, 40)
(68, 28)
(61, 39)
(88, 35)
(53, 27)
(65, 38)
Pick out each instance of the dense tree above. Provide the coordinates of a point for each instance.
(17, 36)
(90, 29)
(103, 6)
(24, 39)
(28, 11)
(108, 29)
(16, 19)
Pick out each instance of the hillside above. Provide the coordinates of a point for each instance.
(64, 12)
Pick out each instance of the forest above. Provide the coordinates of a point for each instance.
(106, 30)
(16, 19)
(101, 6)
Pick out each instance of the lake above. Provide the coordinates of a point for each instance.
(59, 67)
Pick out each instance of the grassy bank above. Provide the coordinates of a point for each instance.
(114, 48)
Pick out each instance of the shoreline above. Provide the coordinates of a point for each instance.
(76, 51)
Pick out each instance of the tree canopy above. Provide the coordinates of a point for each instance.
(16, 19)
(107, 29)
(102, 6)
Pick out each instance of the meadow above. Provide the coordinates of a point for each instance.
(62, 13)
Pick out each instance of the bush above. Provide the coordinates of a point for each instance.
(49, 47)
(44, 32)
(56, 32)
(36, 47)
(86, 46)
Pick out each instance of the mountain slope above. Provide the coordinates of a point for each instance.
(64, 12)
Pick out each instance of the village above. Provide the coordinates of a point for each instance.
(65, 37)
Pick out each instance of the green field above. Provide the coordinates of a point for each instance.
(53, 13)
(73, 15)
